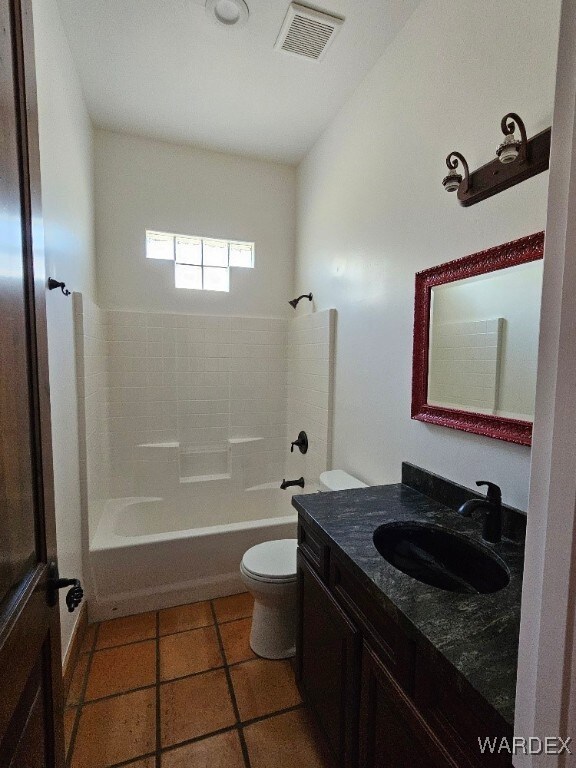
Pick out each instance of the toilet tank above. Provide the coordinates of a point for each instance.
(338, 480)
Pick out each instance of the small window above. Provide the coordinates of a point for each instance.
(201, 263)
(159, 246)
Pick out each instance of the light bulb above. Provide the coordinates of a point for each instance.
(509, 150)
(452, 181)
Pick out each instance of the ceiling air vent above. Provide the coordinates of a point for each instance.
(306, 32)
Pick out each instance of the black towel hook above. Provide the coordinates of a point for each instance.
(57, 284)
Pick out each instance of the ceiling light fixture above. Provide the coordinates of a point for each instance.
(228, 13)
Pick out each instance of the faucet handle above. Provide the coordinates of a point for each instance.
(494, 493)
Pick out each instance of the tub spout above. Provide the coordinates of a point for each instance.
(289, 483)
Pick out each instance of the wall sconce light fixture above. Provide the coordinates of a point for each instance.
(516, 160)
(454, 179)
(512, 149)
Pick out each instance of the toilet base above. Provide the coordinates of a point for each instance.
(273, 633)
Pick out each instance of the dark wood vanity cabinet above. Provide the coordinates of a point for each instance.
(328, 664)
(392, 732)
(381, 700)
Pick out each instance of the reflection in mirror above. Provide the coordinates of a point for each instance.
(483, 342)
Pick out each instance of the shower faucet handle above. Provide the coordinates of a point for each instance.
(290, 483)
(301, 443)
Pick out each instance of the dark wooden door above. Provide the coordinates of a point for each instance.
(328, 664)
(392, 733)
(30, 667)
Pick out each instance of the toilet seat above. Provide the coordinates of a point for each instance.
(272, 561)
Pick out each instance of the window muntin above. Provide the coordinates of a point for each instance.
(200, 263)
(159, 246)
(189, 250)
(188, 276)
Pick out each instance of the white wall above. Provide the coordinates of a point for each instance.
(143, 184)
(372, 212)
(66, 166)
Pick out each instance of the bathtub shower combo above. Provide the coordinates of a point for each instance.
(151, 553)
(188, 424)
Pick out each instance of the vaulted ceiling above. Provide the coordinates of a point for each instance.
(164, 69)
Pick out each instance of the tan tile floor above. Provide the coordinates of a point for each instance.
(181, 688)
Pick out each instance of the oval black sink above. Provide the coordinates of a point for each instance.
(440, 558)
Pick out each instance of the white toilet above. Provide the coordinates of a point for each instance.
(269, 572)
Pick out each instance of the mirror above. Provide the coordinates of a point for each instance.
(476, 341)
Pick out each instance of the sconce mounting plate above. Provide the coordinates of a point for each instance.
(495, 177)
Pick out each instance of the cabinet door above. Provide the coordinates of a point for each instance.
(458, 715)
(328, 664)
(392, 733)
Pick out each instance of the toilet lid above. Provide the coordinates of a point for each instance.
(272, 559)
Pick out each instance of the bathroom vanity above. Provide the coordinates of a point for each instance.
(400, 674)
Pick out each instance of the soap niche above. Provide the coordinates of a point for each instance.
(201, 463)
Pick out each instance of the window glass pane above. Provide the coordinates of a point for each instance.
(188, 277)
(241, 255)
(216, 253)
(216, 279)
(189, 250)
(159, 246)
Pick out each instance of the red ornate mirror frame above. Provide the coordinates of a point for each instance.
(521, 251)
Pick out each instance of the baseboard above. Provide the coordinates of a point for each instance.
(125, 604)
(74, 648)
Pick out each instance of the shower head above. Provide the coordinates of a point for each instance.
(294, 302)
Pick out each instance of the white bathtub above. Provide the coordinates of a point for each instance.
(152, 553)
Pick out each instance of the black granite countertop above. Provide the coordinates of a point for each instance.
(477, 634)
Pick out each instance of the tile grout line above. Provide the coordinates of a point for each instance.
(167, 634)
(196, 739)
(238, 726)
(89, 702)
(158, 721)
(81, 698)
(227, 729)
(209, 735)
(243, 745)
(132, 760)
(123, 645)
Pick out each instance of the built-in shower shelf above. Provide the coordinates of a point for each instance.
(190, 450)
(242, 440)
(204, 478)
(159, 445)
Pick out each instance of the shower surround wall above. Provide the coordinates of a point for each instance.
(91, 329)
(169, 400)
(187, 422)
(194, 398)
(310, 387)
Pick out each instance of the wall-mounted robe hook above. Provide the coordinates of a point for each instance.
(57, 284)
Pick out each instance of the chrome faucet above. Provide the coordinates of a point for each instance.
(492, 504)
